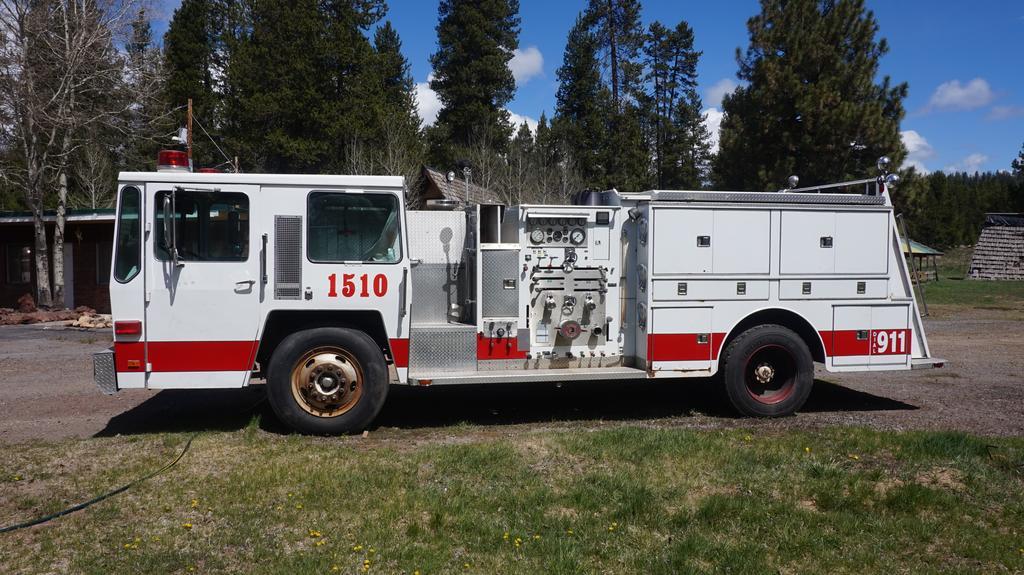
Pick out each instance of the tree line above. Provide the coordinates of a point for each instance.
(323, 86)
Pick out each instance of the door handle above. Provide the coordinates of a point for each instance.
(245, 283)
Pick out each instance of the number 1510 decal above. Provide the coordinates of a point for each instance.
(351, 286)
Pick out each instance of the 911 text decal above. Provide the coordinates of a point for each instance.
(351, 286)
(890, 342)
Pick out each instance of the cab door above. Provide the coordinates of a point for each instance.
(202, 300)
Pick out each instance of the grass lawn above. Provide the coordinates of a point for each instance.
(480, 500)
(953, 290)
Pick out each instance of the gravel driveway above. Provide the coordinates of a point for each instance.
(46, 393)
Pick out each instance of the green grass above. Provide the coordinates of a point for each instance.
(622, 500)
(952, 289)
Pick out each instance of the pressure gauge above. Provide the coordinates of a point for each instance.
(556, 236)
(577, 236)
(537, 236)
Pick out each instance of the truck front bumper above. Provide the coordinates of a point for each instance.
(103, 372)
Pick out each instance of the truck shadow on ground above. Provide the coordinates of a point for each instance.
(416, 407)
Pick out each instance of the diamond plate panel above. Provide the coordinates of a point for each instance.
(435, 287)
(497, 268)
(770, 198)
(449, 348)
(103, 372)
(437, 237)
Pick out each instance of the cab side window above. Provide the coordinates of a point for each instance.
(128, 241)
(354, 228)
(211, 226)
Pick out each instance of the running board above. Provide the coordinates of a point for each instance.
(926, 362)
(527, 376)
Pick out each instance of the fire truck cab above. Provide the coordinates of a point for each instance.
(330, 289)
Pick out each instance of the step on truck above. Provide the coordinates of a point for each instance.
(331, 290)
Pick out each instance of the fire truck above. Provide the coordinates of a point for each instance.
(331, 290)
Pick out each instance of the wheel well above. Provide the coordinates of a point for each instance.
(785, 318)
(282, 323)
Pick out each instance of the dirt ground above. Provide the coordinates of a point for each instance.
(47, 393)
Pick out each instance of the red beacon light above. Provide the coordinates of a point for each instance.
(172, 161)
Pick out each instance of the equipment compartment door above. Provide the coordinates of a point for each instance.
(203, 311)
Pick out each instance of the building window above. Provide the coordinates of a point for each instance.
(354, 228)
(211, 226)
(19, 264)
(103, 253)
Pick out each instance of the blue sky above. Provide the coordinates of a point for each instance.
(961, 59)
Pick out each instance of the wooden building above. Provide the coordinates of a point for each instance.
(999, 253)
(88, 239)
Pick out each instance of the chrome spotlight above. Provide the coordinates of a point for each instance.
(883, 164)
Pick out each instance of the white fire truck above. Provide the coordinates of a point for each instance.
(331, 290)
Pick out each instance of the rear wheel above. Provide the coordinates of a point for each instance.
(327, 381)
(768, 371)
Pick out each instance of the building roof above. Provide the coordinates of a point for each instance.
(1004, 219)
(438, 183)
(22, 217)
(919, 248)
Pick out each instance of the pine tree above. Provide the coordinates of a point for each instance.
(148, 124)
(476, 39)
(811, 106)
(190, 60)
(615, 25)
(679, 139)
(582, 104)
(1018, 164)
(397, 123)
(619, 35)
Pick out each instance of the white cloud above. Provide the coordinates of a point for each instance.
(1005, 112)
(918, 150)
(427, 101)
(518, 120)
(526, 64)
(713, 122)
(970, 164)
(954, 96)
(713, 95)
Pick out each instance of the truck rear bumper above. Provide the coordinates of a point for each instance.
(926, 362)
(103, 372)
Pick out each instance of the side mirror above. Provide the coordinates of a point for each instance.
(170, 243)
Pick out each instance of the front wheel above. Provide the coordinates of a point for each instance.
(327, 381)
(768, 371)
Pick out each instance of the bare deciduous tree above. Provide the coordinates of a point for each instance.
(61, 73)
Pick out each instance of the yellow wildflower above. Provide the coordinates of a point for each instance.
(465, 565)
(748, 438)
(320, 542)
(807, 449)
(335, 568)
(315, 533)
(195, 503)
(187, 525)
(298, 506)
(357, 547)
(17, 478)
(569, 531)
(505, 536)
(536, 536)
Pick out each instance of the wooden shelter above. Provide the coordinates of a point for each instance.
(999, 253)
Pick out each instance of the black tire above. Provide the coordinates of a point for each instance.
(768, 371)
(353, 352)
